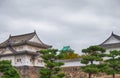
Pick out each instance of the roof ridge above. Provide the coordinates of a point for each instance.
(116, 36)
(23, 39)
(22, 34)
(11, 49)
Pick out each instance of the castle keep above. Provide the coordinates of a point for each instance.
(21, 50)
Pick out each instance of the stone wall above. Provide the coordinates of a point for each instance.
(75, 72)
(70, 72)
(28, 71)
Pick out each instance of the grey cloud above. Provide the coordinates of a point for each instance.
(78, 23)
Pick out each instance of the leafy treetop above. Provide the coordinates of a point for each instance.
(113, 63)
(92, 57)
(8, 70)
(52, 65)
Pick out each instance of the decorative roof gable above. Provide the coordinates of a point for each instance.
(112, 41)
(35, 39)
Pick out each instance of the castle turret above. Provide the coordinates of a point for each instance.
(22, 50)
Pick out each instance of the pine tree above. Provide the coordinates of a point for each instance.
(113, 63)
(52, 65)
(92, 57)
(8, 70)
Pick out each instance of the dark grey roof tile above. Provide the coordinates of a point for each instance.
(22, 40)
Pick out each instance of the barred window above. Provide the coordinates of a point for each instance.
(18, 60)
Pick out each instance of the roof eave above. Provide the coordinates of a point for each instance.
(114, 45)
(21, 52)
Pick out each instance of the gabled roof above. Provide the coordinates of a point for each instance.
(110, 45)
(116, 36)
(23, 39)
(114, 45)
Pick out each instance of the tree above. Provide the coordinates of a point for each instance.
(69, 55)
(8, 70)
(91, 58)
(52, 65)
(113, 63)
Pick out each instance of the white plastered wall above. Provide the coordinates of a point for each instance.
(23, 62)
(72, 63)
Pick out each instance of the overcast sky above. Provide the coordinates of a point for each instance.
(77, 23)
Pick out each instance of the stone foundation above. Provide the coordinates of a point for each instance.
(28, 71)
(70, 72)
(75, 72)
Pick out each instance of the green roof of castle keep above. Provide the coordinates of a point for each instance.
(67, 49)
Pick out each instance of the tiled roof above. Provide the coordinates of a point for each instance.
(114, 45)
(116, 36)
(23, 39)
(111, 44)
(19, 53)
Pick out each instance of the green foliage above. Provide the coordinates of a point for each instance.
(8, 70)
(52, 65)
(113, 63)
(92, 57)
(92, 68)
(102, 67)
(70, 55)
